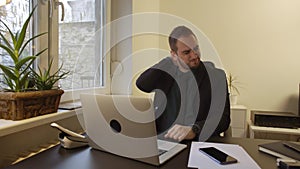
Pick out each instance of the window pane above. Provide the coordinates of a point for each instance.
(80, 43)
(14, 15)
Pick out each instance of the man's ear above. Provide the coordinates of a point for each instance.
(173, 54)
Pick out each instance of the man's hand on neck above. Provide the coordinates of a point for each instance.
(181, 65)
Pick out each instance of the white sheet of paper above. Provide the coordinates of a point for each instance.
(201, 161)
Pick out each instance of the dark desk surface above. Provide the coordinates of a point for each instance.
(87, 158)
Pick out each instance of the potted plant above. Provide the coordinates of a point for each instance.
(233, 88)
(44, 80)
(27, 93)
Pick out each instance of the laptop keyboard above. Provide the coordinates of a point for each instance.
(160, 152)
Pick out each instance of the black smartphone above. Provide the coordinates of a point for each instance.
(218, 155)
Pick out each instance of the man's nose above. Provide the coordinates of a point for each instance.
(194, 54)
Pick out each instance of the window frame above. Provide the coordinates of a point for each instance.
(47, 23)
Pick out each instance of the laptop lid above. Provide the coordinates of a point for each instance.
(125, 125)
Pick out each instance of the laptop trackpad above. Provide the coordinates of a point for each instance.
(168, 149)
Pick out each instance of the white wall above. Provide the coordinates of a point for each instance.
(256, 40)
(145, 40)
(121, 46)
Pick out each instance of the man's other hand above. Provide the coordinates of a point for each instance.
(180, 132)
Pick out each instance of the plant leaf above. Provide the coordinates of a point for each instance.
(38, 54)
(22, 34)
(27, 67)
(8, 72)
(5, 40)
(9, 83)
(44, 80)
(10, 52)
(24, 80)
(21, 62)
(11, 34)
(24, 46)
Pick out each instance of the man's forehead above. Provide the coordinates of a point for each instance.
(187, 41)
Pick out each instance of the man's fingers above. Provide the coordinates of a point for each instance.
(177, 132)
(171, 131)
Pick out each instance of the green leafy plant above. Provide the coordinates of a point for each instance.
(233, 84)
(43, 80)
(16, 76)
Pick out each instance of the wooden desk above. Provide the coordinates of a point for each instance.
(87, 158)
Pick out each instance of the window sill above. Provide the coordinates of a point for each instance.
(8, 126)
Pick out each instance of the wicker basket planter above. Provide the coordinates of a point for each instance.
(23, 105)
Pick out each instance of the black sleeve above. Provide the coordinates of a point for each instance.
(158, 76)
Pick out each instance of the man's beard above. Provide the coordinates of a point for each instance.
(194, 63)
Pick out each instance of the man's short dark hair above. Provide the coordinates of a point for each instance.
(178, 32)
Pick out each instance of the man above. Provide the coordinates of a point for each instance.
(183, 90)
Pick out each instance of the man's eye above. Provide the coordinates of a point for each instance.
(186, 52)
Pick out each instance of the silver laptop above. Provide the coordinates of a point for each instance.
(125, 125)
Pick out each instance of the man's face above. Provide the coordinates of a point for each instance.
(188, 51)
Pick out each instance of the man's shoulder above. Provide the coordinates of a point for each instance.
(212, 69)
(165, 61)
(165, 65)
(211, 65)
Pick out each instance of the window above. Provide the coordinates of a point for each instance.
(80, 46)
(14, 15)
(75, 41)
